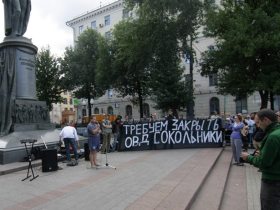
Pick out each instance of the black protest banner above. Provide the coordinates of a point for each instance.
(171, 134)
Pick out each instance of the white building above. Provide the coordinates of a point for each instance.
(207, 100)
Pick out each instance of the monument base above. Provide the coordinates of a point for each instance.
(11, 150)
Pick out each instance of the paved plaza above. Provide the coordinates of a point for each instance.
(161, 179)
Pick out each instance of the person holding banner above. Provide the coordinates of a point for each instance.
(94, 131)
(236, 139)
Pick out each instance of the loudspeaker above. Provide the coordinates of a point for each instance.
(86, 151)
(49, 160)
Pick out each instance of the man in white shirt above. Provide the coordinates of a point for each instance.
(70, 137)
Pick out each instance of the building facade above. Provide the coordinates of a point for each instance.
(207, 100)
(64, 112)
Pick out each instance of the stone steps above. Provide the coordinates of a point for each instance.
(211, 193)
(179, 189)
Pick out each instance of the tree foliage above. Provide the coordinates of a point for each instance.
(132, 55)
(246, 53)
(80, 66)
(167, 84)
(48, 78)
(145, 52)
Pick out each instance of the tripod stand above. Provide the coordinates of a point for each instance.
(29, 157)
(107, 164)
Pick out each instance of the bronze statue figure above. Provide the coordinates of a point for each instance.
(17, 14)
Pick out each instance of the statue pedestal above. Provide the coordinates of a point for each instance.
(23, 62)
(22, 116)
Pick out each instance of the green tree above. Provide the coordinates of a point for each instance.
(131, 52)
(80, 66)
(180, 19)
(168, 87)
(48, 78)
(105, 73)
(246, 53)
(145, 53)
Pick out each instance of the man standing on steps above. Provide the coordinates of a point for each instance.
(268, 160)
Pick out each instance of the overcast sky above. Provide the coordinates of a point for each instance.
(47, 21)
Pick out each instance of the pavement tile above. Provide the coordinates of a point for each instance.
(143, 180)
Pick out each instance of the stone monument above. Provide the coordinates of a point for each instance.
(22, 116)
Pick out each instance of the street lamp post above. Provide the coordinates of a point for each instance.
(84, 111)
(91, 106)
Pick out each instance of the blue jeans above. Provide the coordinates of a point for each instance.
(250, 138)
(67, 143)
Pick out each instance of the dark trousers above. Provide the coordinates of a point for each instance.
(270, 195)
(106, 142)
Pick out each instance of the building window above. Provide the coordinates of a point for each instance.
(241, 105)
(187, 58)
(96, 110)
(125, 14)
(65, 101)
(93, 25)
(128, 111)
(84, 112)
(110, 93)
(71, 109)
(214, 105)
(211, 47)
(81, 28)
(110, 110)
(107, 35)
(146, 110)
(71, 101)
(213, 80)
(107, 20)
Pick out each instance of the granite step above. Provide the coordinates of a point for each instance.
(180, 187)
(211, 192)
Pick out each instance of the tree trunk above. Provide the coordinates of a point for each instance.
(264, 98)
(190, 104)
(271, 97)
(89, 107)
(140, 98)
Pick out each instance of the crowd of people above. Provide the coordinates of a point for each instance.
(259, 131)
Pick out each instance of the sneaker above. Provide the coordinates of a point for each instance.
(240, 164)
